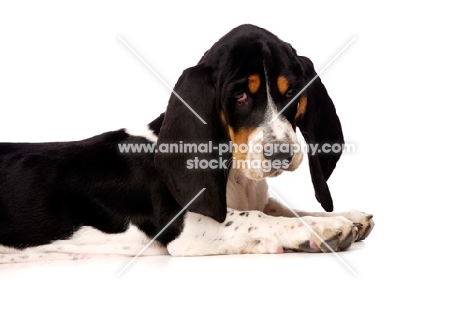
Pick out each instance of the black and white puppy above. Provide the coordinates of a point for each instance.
(75, 199)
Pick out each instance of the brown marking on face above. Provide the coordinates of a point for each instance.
(301, 107)
(254, 83)
(223, 118)
(283, 85)
(240, 137)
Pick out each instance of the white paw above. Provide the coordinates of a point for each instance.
(363, 221)
(324, 234)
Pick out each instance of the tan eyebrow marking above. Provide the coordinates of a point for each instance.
(283, 84)
(254, 83)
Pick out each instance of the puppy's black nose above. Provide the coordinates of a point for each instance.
(278, 151)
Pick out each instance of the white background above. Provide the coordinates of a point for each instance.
(399, 89)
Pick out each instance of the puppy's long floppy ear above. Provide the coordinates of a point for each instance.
(320, 125)
(179, 170)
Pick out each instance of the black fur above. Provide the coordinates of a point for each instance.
(180, 124)
(321, 125)
(49, 190)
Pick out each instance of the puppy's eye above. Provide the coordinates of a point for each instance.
(289, 93)
(241, 98)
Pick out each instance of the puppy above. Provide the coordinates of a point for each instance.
(98, 197)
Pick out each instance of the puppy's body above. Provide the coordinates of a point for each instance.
(50, 190)
(249, 89)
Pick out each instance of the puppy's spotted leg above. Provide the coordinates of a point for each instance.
(363, 221)
(254, 232)
(242, 232)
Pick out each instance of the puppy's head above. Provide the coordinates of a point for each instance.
(259, 83)
(250, 89)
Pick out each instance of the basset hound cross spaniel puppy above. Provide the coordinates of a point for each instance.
(68, 200)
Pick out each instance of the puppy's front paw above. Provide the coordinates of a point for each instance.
(363, 221)
(327, 234)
